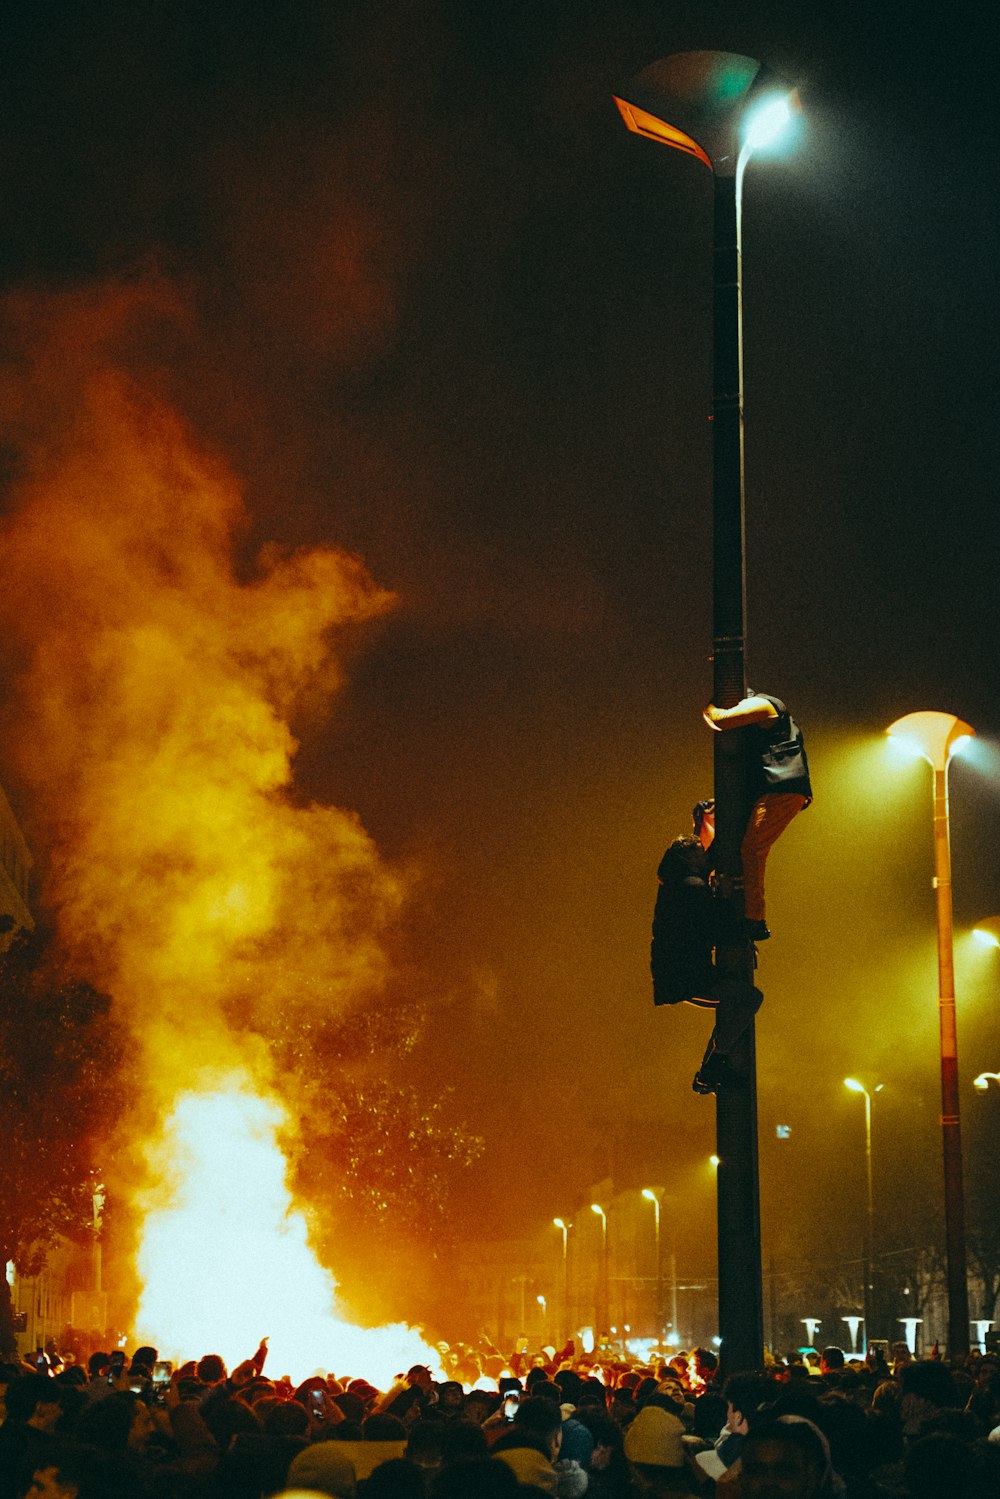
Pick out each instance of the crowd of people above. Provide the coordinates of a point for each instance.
(552, 1423)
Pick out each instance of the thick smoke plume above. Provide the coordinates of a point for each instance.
(151, 693)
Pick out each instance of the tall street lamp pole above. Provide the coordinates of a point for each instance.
(604, 1316)
(936, 736)
(651, 1195)
(869, 1256)
(721, 107)
(565, 1227)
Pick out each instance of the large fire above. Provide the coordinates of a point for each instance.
(149, 719)
(225, 1258)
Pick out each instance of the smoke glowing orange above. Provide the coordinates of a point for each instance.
(149, 721)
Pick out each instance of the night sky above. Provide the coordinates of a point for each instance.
(445, 312)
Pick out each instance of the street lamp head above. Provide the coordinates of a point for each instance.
(649, 1194)
(934, 736)
(982, 1082)
(987, 931)
(559, 1224)
(768, 120)
(595, 1207)
(854, 1085)
(704, 104)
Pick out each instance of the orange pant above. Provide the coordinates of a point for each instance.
(769, 817)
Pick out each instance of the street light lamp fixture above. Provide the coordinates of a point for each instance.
(937, 737)
(982, 1082)
(605, 1311)
(852, 1084)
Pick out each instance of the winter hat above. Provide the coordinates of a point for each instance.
(655, 1438)
(325, 1467)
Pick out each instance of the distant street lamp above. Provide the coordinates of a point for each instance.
(856, 1087)
(655, 1198)
(984, 1079)
(564, 1228)
(604, 1313)
(720, 107)
(936, 737)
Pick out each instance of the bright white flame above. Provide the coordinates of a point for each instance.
(225, 1258)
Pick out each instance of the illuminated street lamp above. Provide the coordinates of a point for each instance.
(604, 1314)
(856, 1087)
(936, 737)
(564, 1228)
(984, 1079)
(655, 1197)
(720, 107)
(987, 931)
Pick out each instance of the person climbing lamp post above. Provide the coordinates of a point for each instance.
(720, 107)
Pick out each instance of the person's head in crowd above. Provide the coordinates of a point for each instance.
(744, 1395)
(33, 1400)
(654, 1448)
(282, 1418)
(709, 1415)
(423, 1445)
(544, 1389)
(477, 1405)
(351, 1405)
(593, 1393)
(67, 1471)
(642, 1391)
(570, 1383)
(450, 1397)
(483, 1478)
(232, 1417)
(846, 1429)
(98, 1365)
(605, 1435)
(119, 1423)
(72, 1377)
(924, 1388)
(831, 1360)
(344, 1431)
(143, 1360)
(8, 1373)
(577, 1442)
(323, 1468)
(538, 1422)
(396, 1479)
(462, 1441)
(379, 1427)
(940, 1465)
(706, 1364)
(419, 1377)
(211, 1369)
(623, 1407)
(535, 1375)
(785, 1459)
(901, 1357)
